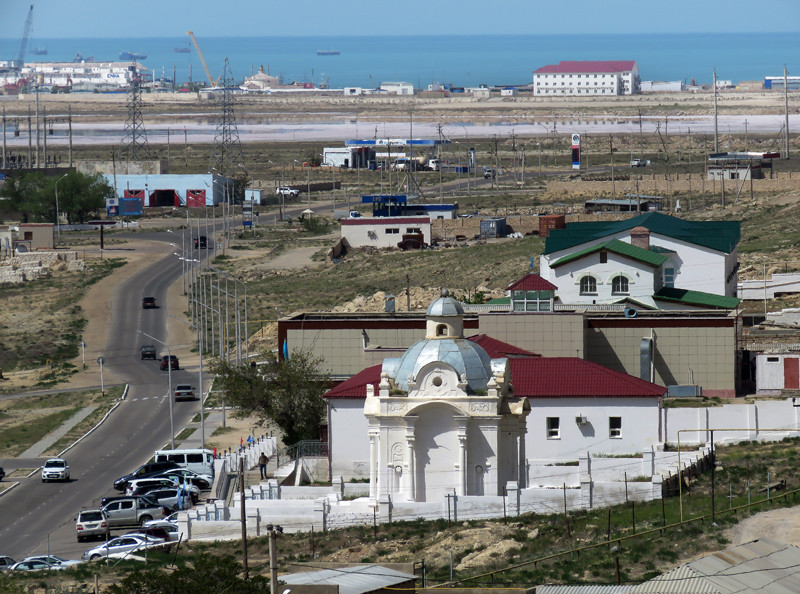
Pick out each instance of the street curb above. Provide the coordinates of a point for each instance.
(9, 489)
(100, 422)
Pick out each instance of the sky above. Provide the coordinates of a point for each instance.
(255, 18)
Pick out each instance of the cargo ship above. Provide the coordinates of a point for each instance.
(132, 56)
(327, 52)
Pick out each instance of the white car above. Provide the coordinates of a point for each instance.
(127, 543)
(172, 498)
(201, 481)
(287, 192)
(52, 561)
(55, 469)
(90, 523)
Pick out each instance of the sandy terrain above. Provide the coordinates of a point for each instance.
(781, 524)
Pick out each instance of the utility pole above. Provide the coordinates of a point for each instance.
(273, 558)
(244, 520)
(786, 108)
(716, 126)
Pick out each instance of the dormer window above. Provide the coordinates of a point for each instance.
(441, 330)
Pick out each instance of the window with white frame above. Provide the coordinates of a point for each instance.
(553, 428)
(531, 300)
(588, 285)
(615, 427)
(392, 230)
(669, 277)
(619, 285)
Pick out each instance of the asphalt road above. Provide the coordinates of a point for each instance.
(38, 517)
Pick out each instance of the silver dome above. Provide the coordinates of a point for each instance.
(445, 306)
(467, 358)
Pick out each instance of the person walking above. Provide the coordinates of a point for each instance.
(262, 465)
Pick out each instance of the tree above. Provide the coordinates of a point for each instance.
(27, 195)
(80, 195)
(286, 391)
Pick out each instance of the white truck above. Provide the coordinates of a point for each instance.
(287, 192)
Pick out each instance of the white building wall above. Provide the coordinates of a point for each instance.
(576, 84)
(770, 371)
(697, 268)
(384, 233)
(348, 440)
(336, 157)
(640, 427)
(568, 279)
(397, 88)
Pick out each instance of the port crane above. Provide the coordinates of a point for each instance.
(202, 59)
(26, 34)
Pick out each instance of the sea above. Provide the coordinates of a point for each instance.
(458, 60)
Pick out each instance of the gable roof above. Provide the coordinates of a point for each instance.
(351, 580)
(532, 282)
(587, 66)
(537, 377)
(565, 377)
(497, 349)
(722, 236)
(698, 298)
(616, 246)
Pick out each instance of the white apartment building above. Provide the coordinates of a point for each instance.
(614, 77)
(82, 75)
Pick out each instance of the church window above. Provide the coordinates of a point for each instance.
(588, 285)
(441, 330)
(437, 381)
(615, 427)
(553, 428)
(669, 277)
(619, 285)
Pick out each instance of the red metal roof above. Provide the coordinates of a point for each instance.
(584, 67)
(387, 220)
(538, 377)
(532, 282)
(564, 377)
(497, 349)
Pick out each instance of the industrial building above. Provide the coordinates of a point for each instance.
(576, 78)
(193, 190)
(741, 166)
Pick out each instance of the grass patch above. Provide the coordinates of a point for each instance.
(17, 438)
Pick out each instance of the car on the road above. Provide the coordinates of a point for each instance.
(149, 303)
(169, 360)
(638, 163)
(489, 173)
(127, 543)
(52, 561)
(6, 562)
(201, 481)
(90, 523)
(144, 471)
(184, 392)
(148, 351)
(287, 192)
(2, 473)
(55, 469)
(201, 242)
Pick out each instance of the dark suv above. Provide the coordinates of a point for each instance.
(149, 303)
(201, 242)
(169, 360)
(144, 471)
(148, 351)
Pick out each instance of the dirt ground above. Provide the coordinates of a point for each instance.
(781, 524)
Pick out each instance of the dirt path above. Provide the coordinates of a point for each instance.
(781, 524)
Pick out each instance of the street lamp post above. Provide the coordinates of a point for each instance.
(199, 382)
(58, 218)
(169, 394)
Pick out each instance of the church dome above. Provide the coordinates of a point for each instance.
(468, 359)
(445, 306)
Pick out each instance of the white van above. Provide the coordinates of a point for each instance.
(200, 461)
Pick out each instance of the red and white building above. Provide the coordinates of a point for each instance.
(587, 78)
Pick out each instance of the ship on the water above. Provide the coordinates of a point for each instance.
(132, 56)
(328, 52)
(39, 51)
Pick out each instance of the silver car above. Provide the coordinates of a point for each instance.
(52, 561)
(128, 543)
(91, 523)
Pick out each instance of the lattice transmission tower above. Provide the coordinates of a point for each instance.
(227, 157)
(134, 138)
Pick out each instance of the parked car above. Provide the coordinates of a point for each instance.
(146, 490)
(5, 562)
(287, 192)
(144, 471)
(172, 498)
(55, 469)
(90, 523)
(412, 244)
(132, 511)
(169, 360)
(127, 543)
(2, 473)
(201, 481)
(148, 351)
(32, 565)
(147, 483)
(184, 392)
(52, 561)
(149, 303)
(158, 528)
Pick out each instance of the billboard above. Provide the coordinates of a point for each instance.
(576, 151)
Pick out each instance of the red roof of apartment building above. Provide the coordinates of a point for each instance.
(590, 67)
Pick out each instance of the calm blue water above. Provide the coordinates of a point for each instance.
(460, 60)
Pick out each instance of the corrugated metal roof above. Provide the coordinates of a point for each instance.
(532, 282)
(763, 566)
(583, 589)
(698, 298)
(618, 247)
(351, 580)
(587, 66)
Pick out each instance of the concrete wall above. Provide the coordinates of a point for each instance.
(378, 233)
(698, 351)
(547, 334)
(348, 441)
